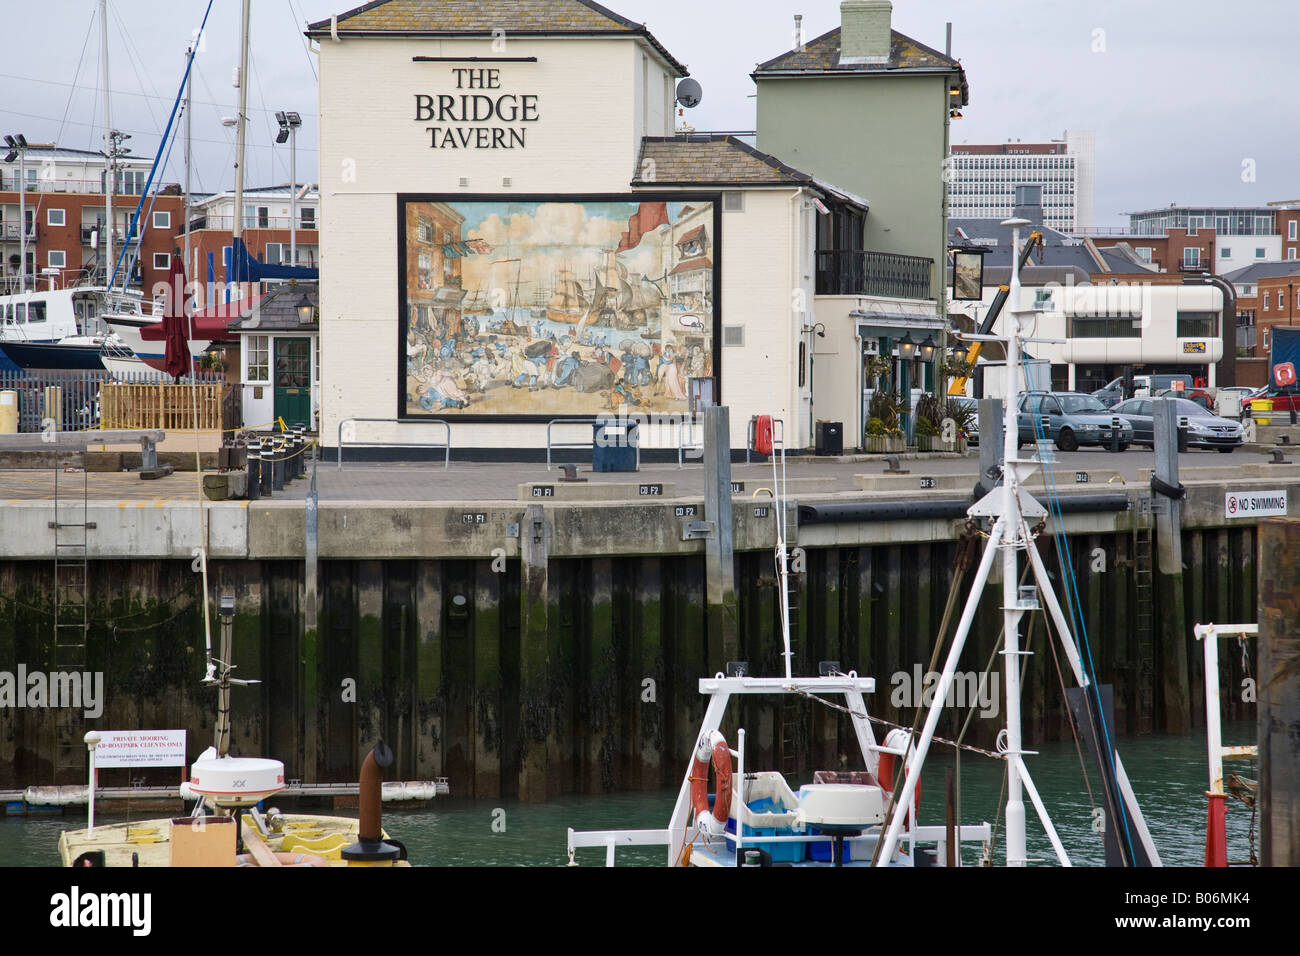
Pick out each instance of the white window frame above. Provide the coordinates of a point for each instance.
(1225, 252)
(62, 263)
(257, 359)
(166, 260)
(62, 214)
(162, 219)
(1291, 230)
(281, 248)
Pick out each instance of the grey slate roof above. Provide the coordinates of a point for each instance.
(711, 159)
(822, 55)
(1263, 270)
(481, 17)
(719, 159)
(278, 310)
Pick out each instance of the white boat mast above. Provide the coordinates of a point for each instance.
(241, 122)
(109, 149)
(189, 85)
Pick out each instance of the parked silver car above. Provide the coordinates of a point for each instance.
(1204, 428)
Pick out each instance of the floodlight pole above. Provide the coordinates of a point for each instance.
(293, 195)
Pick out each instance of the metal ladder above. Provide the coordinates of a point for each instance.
(790, 710)
(1144, 597)
(71, 611)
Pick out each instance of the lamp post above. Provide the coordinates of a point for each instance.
(18, 150)
(289, 123)
(304, 311)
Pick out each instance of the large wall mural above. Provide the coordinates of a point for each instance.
(534, 309)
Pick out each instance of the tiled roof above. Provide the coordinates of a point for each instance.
(481, 17)
(823, 55)
(710, 159)
(1263, 270)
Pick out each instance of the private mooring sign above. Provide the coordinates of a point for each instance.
(1254, 504)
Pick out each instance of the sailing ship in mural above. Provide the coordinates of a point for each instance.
(535, 308)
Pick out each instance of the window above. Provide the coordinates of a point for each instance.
(258, 350)
(424, 276)
(1191, 258)
(162, 260)
(1104, 327)
(424, 231)
(162, 220)
(1225, 252)
(1265, 301)
(1290, 253)
(274, 253)
(307, 217)
(734, 201)
(1259, 253)
(1266, 340)
(58, 259)
(1144, 253)
(36, 312)
(56, 217)
(1196, 325)
(1291, 230)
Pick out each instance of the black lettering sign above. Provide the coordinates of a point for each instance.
(651, 490)
(737, 487)
(761, 511)
(686, 511)
(927, 482)
(473, 517)
(1081, 478)
(543, 491)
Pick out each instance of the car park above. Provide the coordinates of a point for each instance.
(1071, 419)
(1204, 428)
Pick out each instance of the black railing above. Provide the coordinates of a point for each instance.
(873, 273)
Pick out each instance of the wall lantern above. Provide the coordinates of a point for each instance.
(906, 348)
(304, 311)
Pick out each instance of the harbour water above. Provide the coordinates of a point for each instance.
(1168, 774)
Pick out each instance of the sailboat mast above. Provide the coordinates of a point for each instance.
(110, 179)
(241, 121)
(189, 84)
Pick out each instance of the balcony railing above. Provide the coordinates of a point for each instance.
(873, 273)
(1247, 336)
(10, 230)
(227, 223)
(93, 187)
(1195, 265)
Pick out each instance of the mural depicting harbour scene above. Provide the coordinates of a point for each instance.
(537, 308)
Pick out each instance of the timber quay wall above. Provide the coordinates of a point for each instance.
(523, 649)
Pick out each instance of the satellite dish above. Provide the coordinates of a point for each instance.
(689, 93)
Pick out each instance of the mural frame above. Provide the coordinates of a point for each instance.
(403, 312)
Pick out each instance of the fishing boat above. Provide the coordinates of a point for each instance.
(868, 814)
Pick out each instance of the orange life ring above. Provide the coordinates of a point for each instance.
(711, 749)
(886, 769)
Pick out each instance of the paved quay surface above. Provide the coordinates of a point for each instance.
(496, 481)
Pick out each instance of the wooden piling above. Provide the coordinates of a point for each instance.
(1279, 692)
(536, 720)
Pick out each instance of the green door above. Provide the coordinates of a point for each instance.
(293, 381)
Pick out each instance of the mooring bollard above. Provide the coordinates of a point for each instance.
(1182, 433)
(268, 461)
(254, 470)
(1115, 425)
(277, 465)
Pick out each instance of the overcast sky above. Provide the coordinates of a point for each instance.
(1183, 95)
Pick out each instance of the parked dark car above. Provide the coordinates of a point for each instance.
(1073, 420)
(1204, 428)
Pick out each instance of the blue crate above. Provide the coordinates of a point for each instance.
(779, 852)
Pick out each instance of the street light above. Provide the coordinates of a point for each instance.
(959, 354)
(906, 347)
(289, 122)
(18, 150)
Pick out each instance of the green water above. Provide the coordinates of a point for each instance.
(1169, 775)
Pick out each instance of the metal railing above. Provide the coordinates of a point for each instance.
(873, 273)
(54, 184)
(686, 439)
(10, 230)
(71, 400)
(586, 443)
(227, 223)
(445, 445)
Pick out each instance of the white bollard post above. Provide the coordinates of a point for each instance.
(92, 739)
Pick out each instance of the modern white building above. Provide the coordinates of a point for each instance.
(983, 179)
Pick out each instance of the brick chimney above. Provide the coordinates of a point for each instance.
(865, 31)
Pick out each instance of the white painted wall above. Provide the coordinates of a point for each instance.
(593, 105)
(1243, 251)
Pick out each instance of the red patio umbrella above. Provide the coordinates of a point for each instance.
(177, 360)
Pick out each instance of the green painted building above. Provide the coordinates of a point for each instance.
(868, 109)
